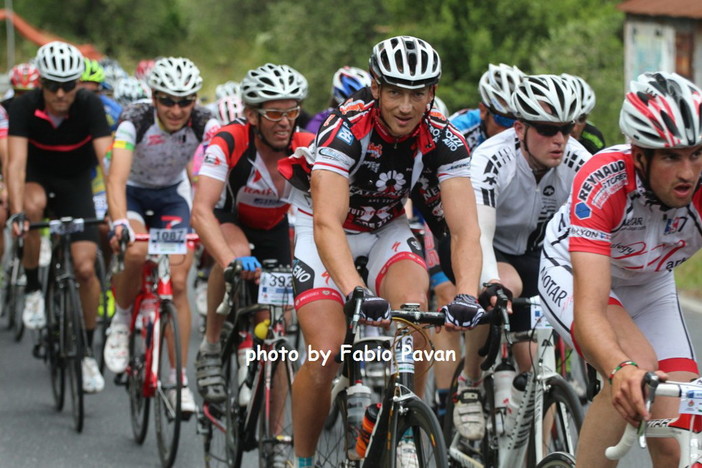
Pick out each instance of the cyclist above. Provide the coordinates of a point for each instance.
(228, 88)
(23, 77)
(241, 161)
(4, 124)
(606, 278)
(129, 90)
(521, 177)
(368, 156)
(56, 134)
(92, 79)
(148, 187)
(345, 82)
(143, 69)
(585, 132)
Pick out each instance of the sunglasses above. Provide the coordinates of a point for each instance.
(502, 120)
(548, 130)
(170, 102)
(276, 115)
(54, 86)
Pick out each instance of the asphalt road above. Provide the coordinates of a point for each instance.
(33, 434)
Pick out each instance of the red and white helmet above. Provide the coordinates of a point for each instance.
(143, 69)
(662, 110)
(229, 108)
(24, 77)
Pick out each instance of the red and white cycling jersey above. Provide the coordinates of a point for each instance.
(4, 122)
(232, 158)
(611, 212)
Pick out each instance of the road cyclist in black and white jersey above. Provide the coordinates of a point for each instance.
(368, 156)
(148, 188)
(521, 177)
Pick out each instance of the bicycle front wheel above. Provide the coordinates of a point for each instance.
(74, 351)
(16, 298)
(275, 435)
(136, 377)
(331, 444)
(417, 438)
(167, 397)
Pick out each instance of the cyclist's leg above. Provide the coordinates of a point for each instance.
(35, 201)
(180, 267)
(128, 282)
(444, 370)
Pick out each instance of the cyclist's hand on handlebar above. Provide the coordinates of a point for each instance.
(464, 312)
(374, 310)
(488, 296)
(248, 267)
(120, 228)
(628, 395)
(19, 224)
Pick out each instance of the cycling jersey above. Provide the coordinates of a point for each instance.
(471, 126)
(318, 119)
(159, 157)
(112, 111)
(382, 169)
(59, 147)
(592, 138)
(4, 122)
(232, 158)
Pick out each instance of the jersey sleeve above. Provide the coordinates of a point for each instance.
(125, 136)
(335, 145)
(484, 176)
(215, 162)
(19, 115)
(452, 156)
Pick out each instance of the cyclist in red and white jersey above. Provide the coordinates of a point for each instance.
(241, 198)
(4, 124)
(606, 278)
(369, 155)
(148, 187)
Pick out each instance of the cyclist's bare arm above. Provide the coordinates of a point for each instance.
(16, 171)
(116, 187)
(598, 339)
(205, 223)
(330, 199)
(102, 146)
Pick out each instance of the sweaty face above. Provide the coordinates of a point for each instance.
(542, 147)
(401, 109)
(173, 112)
(276, 121)
(674, 173)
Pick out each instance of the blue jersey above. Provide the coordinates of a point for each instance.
(468, 122)
(112, 111)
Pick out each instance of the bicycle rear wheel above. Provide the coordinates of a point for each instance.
(167, 397)
(275, 434)
(331, 444)
(74, 352)
(417, 435)
(136, 372)
(54, 312)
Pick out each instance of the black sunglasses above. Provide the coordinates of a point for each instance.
(54, 86)
(169, 102)
(549, 130)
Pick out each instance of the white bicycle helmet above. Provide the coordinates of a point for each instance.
(662, 110)
(497, 85)
(229, 108)
(59, 61)
(230, 88)
(440, 105)
(131, 89)
(273, 82)
(406, 62)
(348, 80)
(583, 89)
(545, 98)
(176, 76)
(113, 72)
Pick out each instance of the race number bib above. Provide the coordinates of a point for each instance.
(168, 241)
(538, 320)
(691, 402)
(275, 288)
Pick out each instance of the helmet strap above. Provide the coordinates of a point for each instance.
(536, 167)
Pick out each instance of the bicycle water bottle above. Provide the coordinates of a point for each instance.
(367, 426)
(502, 378)
(358, 397)
(517, 395)
(245, 345)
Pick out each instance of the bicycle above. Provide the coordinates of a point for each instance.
(265, 420)
(403, 416)
(546, 425)
(14, 282)
(147, 374)
(64, 338)
(686, 429)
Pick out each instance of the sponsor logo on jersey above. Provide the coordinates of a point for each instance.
(374, 151)
(452, 141)
(330, 154)
(633, 224)
(550, 289)
(602, 182)
(391, 181)
(582, 210)
(372, 165)
(549, 190)
(587, 233)
(345, 135)
(155, 140)
(675, 225)
(303, 276)
(212, 159)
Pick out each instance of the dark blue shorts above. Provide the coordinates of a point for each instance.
(160, 208)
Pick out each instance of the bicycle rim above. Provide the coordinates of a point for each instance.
(103, 317)
(330, 447)
(168, 411)
(562, 417)
(557, 460)
(138, 403)
(420, 427)
(275, 430)
(16, 291)
(55, 360)
(73, 341)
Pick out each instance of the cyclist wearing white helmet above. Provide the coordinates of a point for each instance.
(345, 82)
(229, 88)
(241, 164)
(130, 90)
(606, 279)
(521, 177)
(57, 133)
(369, 156)
(148, 187)
(585, 132)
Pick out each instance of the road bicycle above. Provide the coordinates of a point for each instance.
(544, 428)
(686, 429)
(154, 320)
(257, 411)
(64, 338)
(403, 418)
(14, 282)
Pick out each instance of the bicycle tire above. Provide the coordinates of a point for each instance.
(168, 416)
(103, 317)
(16, 306)
(332, 440)
(429, 444)
(54, 311)
(557, 460)
(74, 351)
(275, 430)
(562, 416)
(138, 402)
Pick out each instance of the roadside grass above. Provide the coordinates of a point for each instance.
(688, 276)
